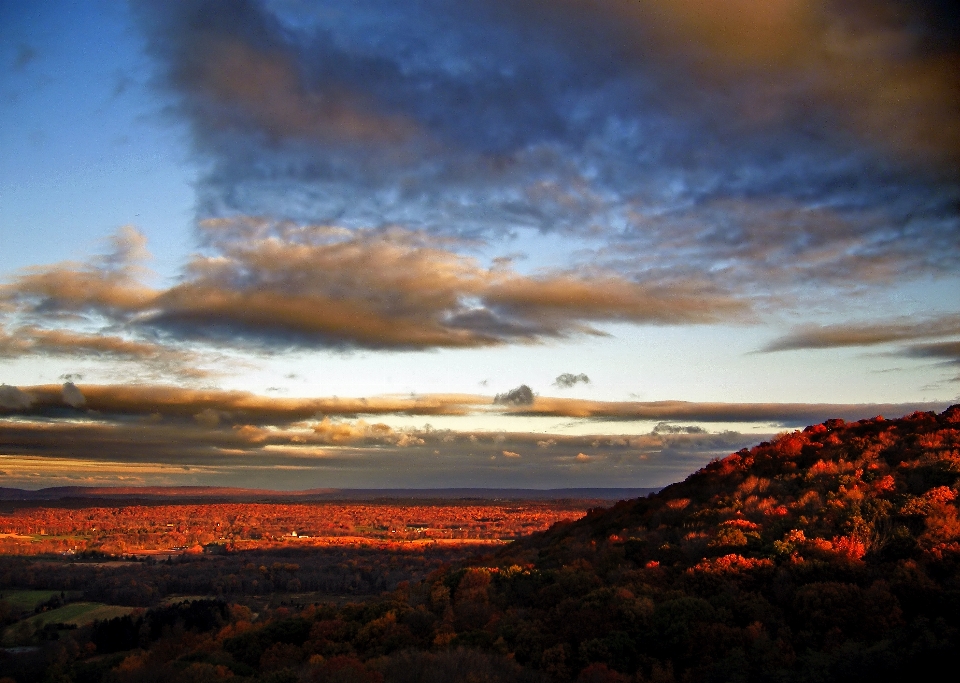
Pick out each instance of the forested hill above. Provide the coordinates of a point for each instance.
(826, 554)
(875, 490)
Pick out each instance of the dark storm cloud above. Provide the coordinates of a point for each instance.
(746, 141)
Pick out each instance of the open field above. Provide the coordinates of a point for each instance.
(264, 556)
(164, 531)
(26, 600)
(78, 614)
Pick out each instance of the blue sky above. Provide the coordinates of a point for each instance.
(736, 203)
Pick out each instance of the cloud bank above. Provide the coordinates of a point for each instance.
(240, 408)
(869, 334)
(898, 331)
(743, 143)
(95, 435)
(262, 284)
(698, 165)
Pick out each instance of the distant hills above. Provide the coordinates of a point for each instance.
(216, 493)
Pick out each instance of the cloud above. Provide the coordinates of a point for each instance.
(899, 330)
(354, 454)
(846, 56)
(567, 380)
(237, 407)
(278, 285)
(208, 417)
(741, 144)
(235, 439)
(72, 395)
(948, 352)
(31, 340)
(793, 414)
(25, 55)
(178, 406)
(667, 428)
(12, 398)
(521, 396)
(107, 283)
(868, 334)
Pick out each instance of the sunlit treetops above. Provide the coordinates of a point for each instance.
(869, 490)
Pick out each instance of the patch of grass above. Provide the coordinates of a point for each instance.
(79, 614)
(76, 614)
(26, 600)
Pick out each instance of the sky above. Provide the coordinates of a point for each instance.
(299, 244)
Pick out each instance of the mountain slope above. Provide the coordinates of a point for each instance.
(825, 554)
(873, 490)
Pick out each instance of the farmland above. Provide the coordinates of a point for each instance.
(174, 529)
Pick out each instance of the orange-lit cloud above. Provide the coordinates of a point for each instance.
(914, 336)
(279, 285)
(866, 59)
(215, 408)
(230, 407)
(36, 341)
(263, 84)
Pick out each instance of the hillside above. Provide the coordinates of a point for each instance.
(875, 490)
(825, 554)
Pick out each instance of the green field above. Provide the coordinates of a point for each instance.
(78, 614)
(24, 600)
